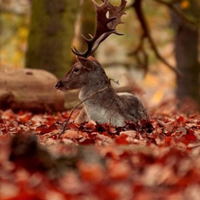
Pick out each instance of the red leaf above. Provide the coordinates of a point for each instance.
(43, 129)
(91, 172)
(168, 140)
(121, 139)
(72, 126)
(25, 118)
(86, 141)
(190, 136)
(180, 119)
(118, 170)
(91, 125)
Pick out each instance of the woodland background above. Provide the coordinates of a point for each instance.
(158, 58)
(158, 36)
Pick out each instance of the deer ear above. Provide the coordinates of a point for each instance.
(86, 62)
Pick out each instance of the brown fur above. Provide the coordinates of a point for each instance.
(106, 106)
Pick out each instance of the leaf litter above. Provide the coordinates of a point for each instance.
(95, 161)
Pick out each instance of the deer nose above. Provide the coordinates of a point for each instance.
(59, 84)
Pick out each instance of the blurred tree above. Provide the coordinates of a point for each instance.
(185, 18)
(186, 50)
(87, 22)
(137, 5)
(51, 34)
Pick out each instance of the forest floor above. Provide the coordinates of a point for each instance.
(92, 161)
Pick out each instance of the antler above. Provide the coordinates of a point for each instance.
(104, 26)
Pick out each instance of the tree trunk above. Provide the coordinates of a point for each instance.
(186, 54)
(87, 22)
(51, 34)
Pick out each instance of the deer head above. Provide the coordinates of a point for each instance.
(87, 70)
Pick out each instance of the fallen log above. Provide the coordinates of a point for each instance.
(30, 89)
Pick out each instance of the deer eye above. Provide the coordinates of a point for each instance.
(76, 69)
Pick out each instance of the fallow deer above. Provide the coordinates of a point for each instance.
(101, 103)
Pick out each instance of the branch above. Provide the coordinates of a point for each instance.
(137, 6)
(140, 50)
(178, 12)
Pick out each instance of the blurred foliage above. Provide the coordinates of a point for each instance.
(118, 48)
(15, 18)
(14, 28)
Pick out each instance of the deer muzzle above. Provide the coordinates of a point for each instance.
(59, 85)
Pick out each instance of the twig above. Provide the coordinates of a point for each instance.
(75, 107)
(114, 81)
(196, 146)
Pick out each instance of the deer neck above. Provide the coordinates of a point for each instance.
(97, 92)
